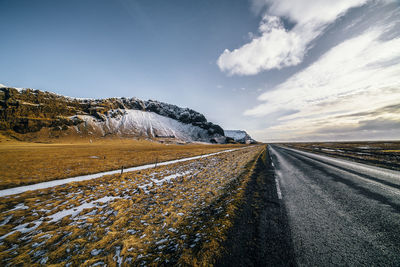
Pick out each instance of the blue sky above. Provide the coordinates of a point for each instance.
(282, 70)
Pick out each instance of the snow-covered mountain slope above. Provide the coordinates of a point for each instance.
(28, 114)
(129, 122)
(239, 136)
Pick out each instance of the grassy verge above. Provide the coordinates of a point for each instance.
(218, 220)
(175, 214)
(29, 163)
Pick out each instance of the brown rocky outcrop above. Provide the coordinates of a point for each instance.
(28, 111)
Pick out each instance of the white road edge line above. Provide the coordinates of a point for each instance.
(386, 174)
(278, 188)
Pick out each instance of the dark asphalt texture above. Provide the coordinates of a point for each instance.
(259, 236)
(338, 215)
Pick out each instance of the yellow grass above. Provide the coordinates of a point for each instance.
(24, 163)
(149, 222)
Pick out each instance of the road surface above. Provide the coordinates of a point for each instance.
(339, 212)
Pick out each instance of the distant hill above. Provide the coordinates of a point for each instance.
(28, 114)
(240, 136)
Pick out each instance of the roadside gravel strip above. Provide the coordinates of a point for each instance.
(21, 189)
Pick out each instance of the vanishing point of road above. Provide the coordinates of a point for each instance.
(339, 213)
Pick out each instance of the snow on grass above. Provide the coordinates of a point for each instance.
(117, 258)
(76, 210)
(170, 177)
(44, 185)
(6, 220)
(96, 252)
(328, 150)
(135, 228)
(24, 228)
(20, 206)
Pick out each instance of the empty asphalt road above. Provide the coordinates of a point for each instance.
(339, 212)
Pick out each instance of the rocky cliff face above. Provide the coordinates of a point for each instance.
(240, 136)
(30, 111)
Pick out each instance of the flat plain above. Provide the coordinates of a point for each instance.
(173, 214)
(384, 154)
(23, 163)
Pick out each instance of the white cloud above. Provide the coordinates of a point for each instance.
(359, 75)
(276, 47)
(306, 11)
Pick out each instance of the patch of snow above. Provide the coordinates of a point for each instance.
(77, 129)
(96, 252)
(98, 264)
(361, 153)
(18, 89)
(76, 210)
(21, 189)
(131, 231)
(161, 241)
(44, 260)
(239, 136)
(144, 187)
(117, 256)
(47, 236)
(235, 134)
(6, 220)
(36, 244)
(144, 123)
(328, 150)
(170, 177)
(23, 229)
(20, 206)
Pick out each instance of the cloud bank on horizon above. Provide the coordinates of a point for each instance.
(351, 91)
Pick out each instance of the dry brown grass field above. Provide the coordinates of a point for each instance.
(23, 163)
(384, 154)
(176, 214)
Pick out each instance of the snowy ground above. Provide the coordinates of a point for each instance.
(137, 122)
(21, 189)
(152, 215)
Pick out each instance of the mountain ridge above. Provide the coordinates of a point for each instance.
(240, 136)
(26, 112)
